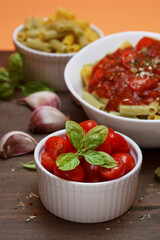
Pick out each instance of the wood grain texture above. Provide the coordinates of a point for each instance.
(16, 184)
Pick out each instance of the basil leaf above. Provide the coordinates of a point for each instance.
(100, 158)
(75, 133)
(95, 137)
(157, 172)
(109, 162)
(4, 75)
(15, 68)
(6, 90)
(35, 86)
(29, 165)
(93, 157)
(67, 161)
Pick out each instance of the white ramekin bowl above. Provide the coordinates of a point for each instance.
(145, 132)
(45, 67)
(87, 202)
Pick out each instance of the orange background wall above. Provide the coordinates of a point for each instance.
(110, 15)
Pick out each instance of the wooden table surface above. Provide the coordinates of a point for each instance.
(142, 221)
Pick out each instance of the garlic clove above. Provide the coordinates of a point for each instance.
(42, 98)
(16, 143)
(47, 119)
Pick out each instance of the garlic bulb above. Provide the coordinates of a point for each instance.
(47, 119)
(16, 143)
(42, 98)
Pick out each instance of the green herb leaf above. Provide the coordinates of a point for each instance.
(75, 133)
(109, 162)
(4, 75)
(35, 86)
(29, 165)
(67, 161)
(6, 90)
(99, 158)
(95, 137)
(157, 172)
(15, 68)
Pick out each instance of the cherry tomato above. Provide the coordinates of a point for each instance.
(117, 143)
(47, 162)
(110, 130)
(127, 159)
(127, 58)
(57, 146)
(113, 173)
(98, 75)
(145, 42)
(92, 173)
(142, 84)
(88, 125)
(69, 142)
(104, 147)
(76, 174)
(47, 143)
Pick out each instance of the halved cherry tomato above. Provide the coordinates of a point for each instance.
(98, 74)
(47, 143)
(127, 159)
(145, 42)
(88, 125)
(127, 58)
(47, 162)
(117, 143)
(92, 173)
(142, 84)
(104, 147)
(57, 146)
(115, 172)
(76, 174)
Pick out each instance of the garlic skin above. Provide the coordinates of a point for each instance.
(47, 119)
(16, 143)
(42, 98)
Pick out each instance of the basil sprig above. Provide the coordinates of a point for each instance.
(35, 86)
(85, 146)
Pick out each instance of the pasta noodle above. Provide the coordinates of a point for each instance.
(92, 100)
(62, 27)
(38, 45)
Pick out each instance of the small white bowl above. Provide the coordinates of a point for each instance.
(87, 202)
(145, 132)
(43, 66)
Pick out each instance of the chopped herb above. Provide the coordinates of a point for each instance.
(107, 229)
(144, 50)
(33, 195)
(141, 218)
(30, 219)
(29, 165)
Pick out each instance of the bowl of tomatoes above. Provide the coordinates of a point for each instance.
(87, 173)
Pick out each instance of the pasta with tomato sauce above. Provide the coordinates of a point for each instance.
(127, 81)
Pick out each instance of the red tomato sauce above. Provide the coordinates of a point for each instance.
(129, 76)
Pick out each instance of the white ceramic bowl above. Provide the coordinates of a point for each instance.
(43, 66)
(87, 202)
(145, 132)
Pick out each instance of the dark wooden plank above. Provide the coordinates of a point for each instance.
(16, 184)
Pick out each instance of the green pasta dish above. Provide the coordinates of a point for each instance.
(126, 82)
(59, 33)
